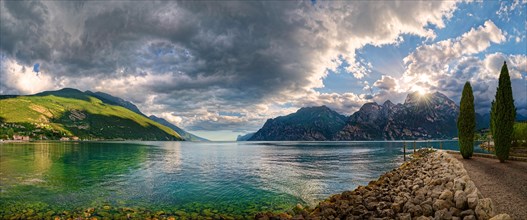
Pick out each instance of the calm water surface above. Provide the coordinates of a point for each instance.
(238, 178)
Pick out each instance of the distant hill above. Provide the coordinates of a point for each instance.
(110, 99)
(107, 98)
(245, 137)
(309, 124)
(419, 117)
(186, 135)
(70, 112)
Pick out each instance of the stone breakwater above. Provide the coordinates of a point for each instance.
(433, 185)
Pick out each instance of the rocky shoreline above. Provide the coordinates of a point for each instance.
(433, 185)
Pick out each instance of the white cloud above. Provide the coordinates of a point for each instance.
(386, 83)
(492, 64)
(20, 78)
(433, 61)
(506, 8)
(171, 117)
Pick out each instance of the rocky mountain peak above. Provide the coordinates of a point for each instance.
(312, 109)
(426, 116)
(388, 104)
(371, 106)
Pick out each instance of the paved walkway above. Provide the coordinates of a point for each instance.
(505, 183)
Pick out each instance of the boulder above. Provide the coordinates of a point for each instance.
(397, 206)
(447, 195)
(501, 217)
(454, 211)
(404, 216)
(466, 213)
(470, 187)
(472, 200)
(459, 184)
(484, 209)
(469, 217)
(423, 218)
(415, 210)
(460, 198)
(442, 214)
(427, 210)
(388, 213)
(440, 204)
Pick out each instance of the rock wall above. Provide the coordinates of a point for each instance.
(434, 185)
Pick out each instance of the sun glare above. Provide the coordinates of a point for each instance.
(421, 91)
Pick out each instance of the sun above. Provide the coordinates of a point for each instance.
(420, 85)
(421, 91)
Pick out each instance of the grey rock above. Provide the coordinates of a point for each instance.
(459, 184)
(501, 217)
(466, 213)
(454, 211)
(388, 213)
(415, 210)
(446, 195)
(440, 204)
(404, 216)
(472, 200)
(371, 205)
(460, 198)
(442, 214)
(427, 210)
(427, 201)
(397, 206)
(484, 209)
(436, 192)
(449, 185)
(470, 187)
(469, 217)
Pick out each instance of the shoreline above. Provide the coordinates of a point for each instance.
(432, 185)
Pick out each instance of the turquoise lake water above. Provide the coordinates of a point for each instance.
(195, 178)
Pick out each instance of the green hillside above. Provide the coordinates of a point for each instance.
(70, 112)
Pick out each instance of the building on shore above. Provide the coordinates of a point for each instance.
(64, 139)
(20, 138)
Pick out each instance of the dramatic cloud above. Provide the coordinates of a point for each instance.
(386, 83)
(230, 65)
(446, 65)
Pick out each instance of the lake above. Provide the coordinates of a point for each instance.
(237, 179)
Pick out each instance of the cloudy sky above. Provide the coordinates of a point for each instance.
(219, 69)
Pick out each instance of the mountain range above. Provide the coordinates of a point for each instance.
(419, 117)
(87, 115)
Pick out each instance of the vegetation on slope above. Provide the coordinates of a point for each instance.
(70, 112)
(519, 135)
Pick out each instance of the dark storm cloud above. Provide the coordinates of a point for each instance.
(22, 26)
(249, 47)
(196, 58)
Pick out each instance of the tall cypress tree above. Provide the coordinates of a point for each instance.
(492, 116)
(503, 115)
(466, 122)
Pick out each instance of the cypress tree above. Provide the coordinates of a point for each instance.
(492, 116)
(503, 115)
(466, 122)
